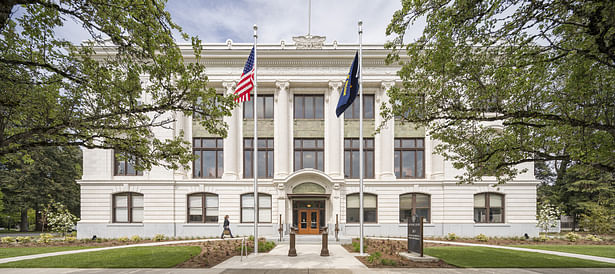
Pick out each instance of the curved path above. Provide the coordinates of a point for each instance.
(558, 253)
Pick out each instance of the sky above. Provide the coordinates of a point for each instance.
(215, 21)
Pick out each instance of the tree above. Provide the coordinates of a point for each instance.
(547, 216)
(60, 218)
(40, 176)
(109, 92)
(543, 70)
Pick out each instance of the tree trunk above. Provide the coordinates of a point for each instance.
(23, 225)
(39, 221)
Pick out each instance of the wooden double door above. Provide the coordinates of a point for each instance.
(308, 221)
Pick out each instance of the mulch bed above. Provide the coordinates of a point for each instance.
(508, 241)
(389, 258)
(215, 252)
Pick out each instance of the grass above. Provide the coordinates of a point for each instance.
(594, 250)
(132, 257)
(464, 256)
(22, 251)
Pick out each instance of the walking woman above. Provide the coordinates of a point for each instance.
(227, 227)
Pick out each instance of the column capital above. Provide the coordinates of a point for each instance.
(335, 85)
(386, 85)
(229, 86)
(282, 85)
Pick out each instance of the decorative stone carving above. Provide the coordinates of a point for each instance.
(335, 44)
(336, 186)
(282, 44)
(229, 43)
(309, 41)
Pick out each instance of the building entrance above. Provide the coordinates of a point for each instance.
(308, 221)
(308, 215)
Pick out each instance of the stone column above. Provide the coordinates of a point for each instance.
(384, 142)
(232, 143)
(334, 133)
(282, 144)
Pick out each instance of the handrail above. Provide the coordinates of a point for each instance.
(243, 247)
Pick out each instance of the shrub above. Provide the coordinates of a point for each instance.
(135, 238)
(159, 237)
(123, 239)
(45, 238)
(374, 257)
(24, 240)
(59, 218)
(6, 240)
(593, 238)
(541, 238)
(599, 220)
(572, 237)
(266, 246)
(481, 238)
(451, 237)
(388, 262)
(69, 239)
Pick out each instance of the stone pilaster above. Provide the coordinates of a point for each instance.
(334, 133)
(283, 128)
(232, 143)
(383, 142)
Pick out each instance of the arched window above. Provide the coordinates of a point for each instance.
(414, 204)
(264, 208)
(202, 208)
(370, 208)
(128, 207)
(488, 208)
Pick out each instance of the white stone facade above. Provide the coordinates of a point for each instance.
(283, 71)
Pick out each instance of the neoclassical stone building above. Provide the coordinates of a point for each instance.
(308, 162)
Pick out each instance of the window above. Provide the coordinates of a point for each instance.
(488, 208)
(409, 158)
(370, 208)
(264, 107)
(265, 158)
(264, 208)
(414, 204)
(203, 208)
(210, 157)
(309, 153)
(128, 207)
(126, 167)
(309, 106)
(351, 158)
(352, 112)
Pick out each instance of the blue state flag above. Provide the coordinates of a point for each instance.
(351, 88)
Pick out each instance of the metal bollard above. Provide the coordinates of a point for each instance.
(324, 251)
(292, 252)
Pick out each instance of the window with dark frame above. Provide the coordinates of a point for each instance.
(127, 207)
(418, 204)
(265, 157)
(352, 112)
(309, 106)
(351, 158)
(247, 208)
(309, 153)
(409, 155)
(210, 157)
(488, 208)
(125, 167)
(370, 208)
(203, 208)
(264, 107)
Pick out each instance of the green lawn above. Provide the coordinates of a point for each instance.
(594, 250)
(21, 251)
(466, 256)
(131, 257)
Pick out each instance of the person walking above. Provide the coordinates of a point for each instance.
(227, 227)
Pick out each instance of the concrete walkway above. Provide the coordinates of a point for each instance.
(309, 271)
(564, 254)
(308, 257)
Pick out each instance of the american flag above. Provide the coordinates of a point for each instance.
(246, 83)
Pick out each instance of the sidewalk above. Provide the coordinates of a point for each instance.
(308, 257)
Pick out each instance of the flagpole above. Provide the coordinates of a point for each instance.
(254, 155)
(361, 134)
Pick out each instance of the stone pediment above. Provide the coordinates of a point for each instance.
(309, 42)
